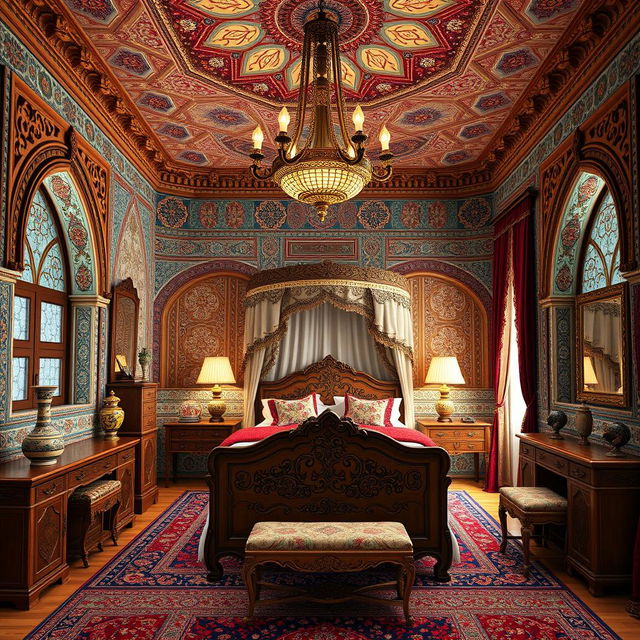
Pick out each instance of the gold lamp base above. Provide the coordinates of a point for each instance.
(217, 405)
(444, 406)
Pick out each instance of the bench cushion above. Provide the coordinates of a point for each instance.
(96, 490)
(535, 498)
(329, 536)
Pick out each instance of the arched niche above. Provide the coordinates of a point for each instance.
(451, 316)
(200, 312)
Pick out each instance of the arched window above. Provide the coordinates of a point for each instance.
(601, 258)
(40, 311)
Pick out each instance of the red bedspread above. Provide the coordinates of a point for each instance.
(255, 434)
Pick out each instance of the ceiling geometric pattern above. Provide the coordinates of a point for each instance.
(443, 75)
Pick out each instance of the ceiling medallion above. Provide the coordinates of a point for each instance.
(325, 166)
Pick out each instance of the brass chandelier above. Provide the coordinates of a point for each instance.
(324, 168)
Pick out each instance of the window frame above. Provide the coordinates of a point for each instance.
(35, 349)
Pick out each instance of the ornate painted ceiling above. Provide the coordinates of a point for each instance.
(442, 74)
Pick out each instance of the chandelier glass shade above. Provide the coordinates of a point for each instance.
(325, 166)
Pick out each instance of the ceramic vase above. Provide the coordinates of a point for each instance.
(45, 444)
(584, 423)
(111, 415)
(190, 411)
(144, 358)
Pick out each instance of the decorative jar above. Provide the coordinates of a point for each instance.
(144, 358)
(584, 423)
(111, 415)
(44, 444)
(190, 411)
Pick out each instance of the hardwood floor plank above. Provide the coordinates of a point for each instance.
(14, 625)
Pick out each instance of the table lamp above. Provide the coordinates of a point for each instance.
(216, 371)
(444, 370)
(589, 374)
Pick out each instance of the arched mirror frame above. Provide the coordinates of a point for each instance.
(615, 294)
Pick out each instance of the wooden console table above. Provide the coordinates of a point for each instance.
(193, 437)
(33, 512)
(459, 437)
(603, 495)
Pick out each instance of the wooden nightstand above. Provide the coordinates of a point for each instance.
(193, 437)
(459, 437)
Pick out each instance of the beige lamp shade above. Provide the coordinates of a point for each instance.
(444, 370)
(589, 372)
(216, 370)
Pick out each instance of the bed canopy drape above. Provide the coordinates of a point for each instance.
(380, 297)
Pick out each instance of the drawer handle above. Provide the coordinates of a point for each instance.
(106, 465)
(579, 473)
(441, 434)
(470, 434)
(126, 456)
(559, 464)
(542, 456)
(50, 491)
(81, 475)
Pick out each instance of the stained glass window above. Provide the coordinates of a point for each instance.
(40, 308)
(601, 265)
(19, 370)
(50, 372)
(43, 257)
(21, 318)
(50, 322)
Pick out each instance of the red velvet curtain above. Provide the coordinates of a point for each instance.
(514, 237)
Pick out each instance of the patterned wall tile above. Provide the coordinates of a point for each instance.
(83, 358)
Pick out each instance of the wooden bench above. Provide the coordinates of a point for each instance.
(326, 547)
(532, 506)
(93, 509)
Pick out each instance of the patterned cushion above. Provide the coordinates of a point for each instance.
(329, 536)
(293, 411)
(534, 498)
(96, 490)
(376, 413)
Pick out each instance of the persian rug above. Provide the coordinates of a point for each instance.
(155, 588)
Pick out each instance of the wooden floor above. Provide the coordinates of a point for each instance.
(14, 625)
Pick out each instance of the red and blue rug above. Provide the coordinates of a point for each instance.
(155, 589)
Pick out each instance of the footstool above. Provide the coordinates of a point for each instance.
(91, 508)
(532, 506)
(326, 547)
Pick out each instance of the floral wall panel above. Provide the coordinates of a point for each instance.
(204, 318)
(448, 320)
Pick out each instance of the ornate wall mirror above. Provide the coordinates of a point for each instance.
(125, 305)
(602, 345)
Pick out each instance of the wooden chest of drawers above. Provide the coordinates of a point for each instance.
(193, 437)
(459, 437)
(138, 399)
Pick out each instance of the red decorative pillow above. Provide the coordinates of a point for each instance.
(376, 413)
(286, 412)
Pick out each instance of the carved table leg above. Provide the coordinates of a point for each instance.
(249, 576)
(408, 576)
(527, 530)
(114, 523)
(84, 554)
(502, 512)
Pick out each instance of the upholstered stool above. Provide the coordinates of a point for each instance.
(93, 509)
(329, 547)
(532, 506)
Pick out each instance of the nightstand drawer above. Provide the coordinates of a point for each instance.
(461, 446)
(50, 489)
(192, 446)
(456, 434)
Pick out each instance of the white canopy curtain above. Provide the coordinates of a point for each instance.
(380, 297)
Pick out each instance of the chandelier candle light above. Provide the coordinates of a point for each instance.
(216, 371)
(323, 168)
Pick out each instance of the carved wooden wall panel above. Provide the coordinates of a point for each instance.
(41, 142)
(601, 146)
(448, 320)
(204, 318)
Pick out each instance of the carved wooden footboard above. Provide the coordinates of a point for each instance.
(328, 469)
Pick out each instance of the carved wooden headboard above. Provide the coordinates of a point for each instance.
(329, 378)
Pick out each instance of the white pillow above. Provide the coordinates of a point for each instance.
(395, 410)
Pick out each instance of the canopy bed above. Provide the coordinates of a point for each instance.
(328, 468)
